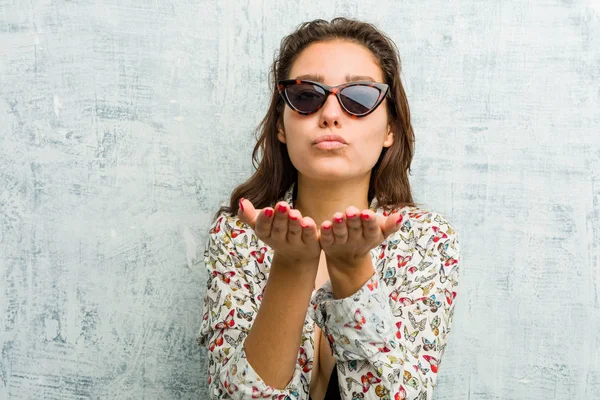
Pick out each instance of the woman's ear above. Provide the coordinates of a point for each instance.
(389, 138)
(280, 133)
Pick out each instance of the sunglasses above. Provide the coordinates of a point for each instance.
(357, 98)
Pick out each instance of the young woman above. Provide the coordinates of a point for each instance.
(326, 280)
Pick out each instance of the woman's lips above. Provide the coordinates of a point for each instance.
(330, 145)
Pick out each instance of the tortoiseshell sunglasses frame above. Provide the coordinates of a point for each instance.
(382, 87)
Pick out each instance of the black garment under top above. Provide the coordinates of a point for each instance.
(333, 390)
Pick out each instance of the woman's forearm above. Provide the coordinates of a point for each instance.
(274, 339)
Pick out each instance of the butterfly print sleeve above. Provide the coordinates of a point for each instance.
(228, 313)
(389, 337)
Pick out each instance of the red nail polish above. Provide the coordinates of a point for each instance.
(268, 212)
(241, 205)
(350, 216)
(365, 217)
(399, 220)
(292, 217)
(302, 224)
(282, 208)
(327, 227)
(338, 220)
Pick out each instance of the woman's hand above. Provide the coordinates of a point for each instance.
(350, 237)
(292, 237)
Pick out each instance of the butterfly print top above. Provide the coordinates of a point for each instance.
(388, 338)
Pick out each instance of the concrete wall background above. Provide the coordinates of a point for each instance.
(124, 124)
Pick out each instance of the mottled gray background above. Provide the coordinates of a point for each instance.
(124, 124)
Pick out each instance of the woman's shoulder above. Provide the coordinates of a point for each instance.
(421, 217)
(423, 226)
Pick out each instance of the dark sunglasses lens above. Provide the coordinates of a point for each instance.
(359, 99)
(305, 97)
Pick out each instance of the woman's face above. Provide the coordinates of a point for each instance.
(336, 62)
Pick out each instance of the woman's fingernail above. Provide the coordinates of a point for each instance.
(241, 205)
(327, 227)
(338, 220)
(350, 216)
(282, 208)
(365, 217)
(399, 220)
(292, 217)
(268, 212)
(302, 224)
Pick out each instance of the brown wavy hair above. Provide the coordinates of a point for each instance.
(275, 172)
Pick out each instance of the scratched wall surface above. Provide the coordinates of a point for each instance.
(124, 124)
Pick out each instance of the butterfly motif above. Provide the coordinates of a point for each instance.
(258, 276)
(358, 396)
(439, 234)
(398, 333)
(403, 260)
(441, 347)
(344, 339)
(227, 323)
(245, 315)
(259, 255)
(442, 275)
(373, 285)
(381, 391)
(217, 227)
(424, 264)
(380, 327)
(230, 387)
(359, 319)
(417, 325)
(390, 276)
(420, 368)
(405, 301)
(432, 303)
(410, 380)
(435, 323)
(235, 232)
(219, 340)
(256, 393)
(400, 394)
(368, 380)
(411, 235)
(231, 341)
(350, 381)
(406, 225)
(450, 296)
(414, 352)
(410, 336)
(382, 252)
(385, 348)
(352, 365)
(417, 214)
(378, 365)
(225, 276)
(395, 294)
(427, 289)
(305, 384)
(425, 278)
(303, 361)
(427, 345)
(433, 362)
(227, 302)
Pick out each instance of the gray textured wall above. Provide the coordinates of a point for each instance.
(124, 124)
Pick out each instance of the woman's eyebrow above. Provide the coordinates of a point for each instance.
(321, 78)
(311, 77)
(354, 78)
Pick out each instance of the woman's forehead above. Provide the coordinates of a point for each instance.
(336, 62)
